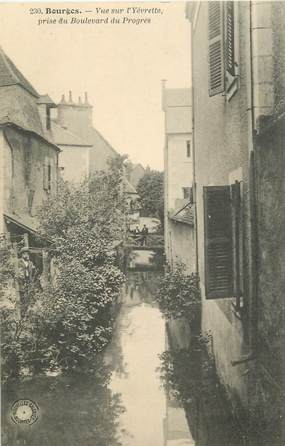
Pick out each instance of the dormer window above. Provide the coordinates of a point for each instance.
(45, 104)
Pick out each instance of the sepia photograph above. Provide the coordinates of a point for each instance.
(142, 223)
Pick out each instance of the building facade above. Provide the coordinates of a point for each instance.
(28, 155)
(178, 179)
(84, 149)
(238, 54)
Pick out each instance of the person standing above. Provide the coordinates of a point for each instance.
(26, 277)
(144, 233)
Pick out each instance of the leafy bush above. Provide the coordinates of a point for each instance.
(179, 293)
(70, 321)
(185, 372)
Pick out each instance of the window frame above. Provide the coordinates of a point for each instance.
(47, 175)
(188, 193)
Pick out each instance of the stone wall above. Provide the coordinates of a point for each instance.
(270, 151)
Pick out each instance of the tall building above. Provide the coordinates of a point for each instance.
(238, 65)
(178, 177)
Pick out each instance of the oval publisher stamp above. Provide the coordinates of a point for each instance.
(24, 411)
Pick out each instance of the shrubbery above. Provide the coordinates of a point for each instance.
(179, 293)
(185, 373)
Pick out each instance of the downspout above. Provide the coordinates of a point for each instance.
(252, 229)
(194, 155)
(253, 301)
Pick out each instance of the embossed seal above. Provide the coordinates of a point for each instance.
(24, 412)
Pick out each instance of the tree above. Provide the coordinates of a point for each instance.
(68, 323)
(150, 190)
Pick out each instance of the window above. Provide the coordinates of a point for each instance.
(31, 193)
(28, 164)
(48, 118)
(188, 149)
(47, 176)
(221, 36)
(222, 221)
(188, 193)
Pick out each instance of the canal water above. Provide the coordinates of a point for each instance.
(124, 402)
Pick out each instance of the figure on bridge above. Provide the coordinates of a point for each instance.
(144, 233)
(136, 231)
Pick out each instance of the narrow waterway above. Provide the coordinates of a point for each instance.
(127, 407)
(123, 403)
(141, 338)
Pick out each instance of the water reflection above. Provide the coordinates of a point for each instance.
(75, 410)
(189, 378)
(140, 332)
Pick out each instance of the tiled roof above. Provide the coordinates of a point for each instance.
(23, 220)
(18, 107)
(10, 75)
(65, 137)
(184, 215)
(177, 97)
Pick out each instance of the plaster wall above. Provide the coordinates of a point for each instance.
(181, 245)
(75, 162)
(179, 167)
(222, 155)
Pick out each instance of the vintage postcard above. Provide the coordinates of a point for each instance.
(142, 223)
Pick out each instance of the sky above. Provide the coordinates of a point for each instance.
(121, 66)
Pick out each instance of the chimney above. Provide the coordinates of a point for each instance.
(76, 117)
(70, 97)
(63, 101)
(86, 98)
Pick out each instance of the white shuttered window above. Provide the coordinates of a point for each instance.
(221, 39)
(216, 48)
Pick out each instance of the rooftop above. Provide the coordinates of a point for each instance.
(64, 137)
(10, 75)
(184, 215)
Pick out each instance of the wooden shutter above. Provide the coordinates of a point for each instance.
(229, 21)
(218, 242)
(216, 48)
